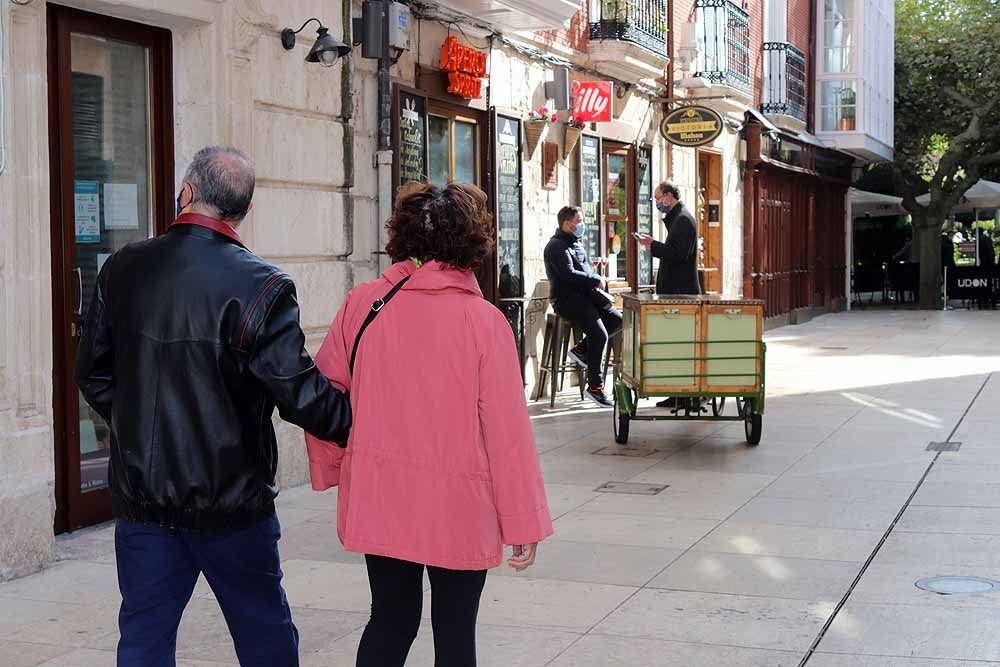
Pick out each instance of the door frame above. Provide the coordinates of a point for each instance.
(714, 158)
(73, 509)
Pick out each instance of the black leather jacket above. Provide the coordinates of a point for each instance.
(568, 268)
(190, 343)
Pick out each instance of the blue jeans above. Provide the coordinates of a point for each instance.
(157, 571)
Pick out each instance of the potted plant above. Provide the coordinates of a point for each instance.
(574, 127)
(848, 108)
(536, 129)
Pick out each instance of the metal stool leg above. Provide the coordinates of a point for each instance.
(543, 367)
(556, 348)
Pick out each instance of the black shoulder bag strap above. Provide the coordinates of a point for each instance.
(372, 314)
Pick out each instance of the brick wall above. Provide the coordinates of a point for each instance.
(755, 8)
(576, 35)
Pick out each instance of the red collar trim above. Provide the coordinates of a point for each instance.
(199, 220)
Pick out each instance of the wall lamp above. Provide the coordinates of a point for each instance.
(324, 51)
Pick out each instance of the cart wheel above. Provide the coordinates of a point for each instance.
(718, 405)
(753, 423)
(621, 423)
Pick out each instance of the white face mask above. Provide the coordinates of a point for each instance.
(580, 231)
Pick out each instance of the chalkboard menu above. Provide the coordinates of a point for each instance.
(508, 172)
(590, 192)
(645, 221)
(412, 138)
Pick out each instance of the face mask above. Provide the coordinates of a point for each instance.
(662, 208)
(580, 231)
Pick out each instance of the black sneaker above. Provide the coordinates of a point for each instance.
(578, 355)
(597, 396)
(667, 403)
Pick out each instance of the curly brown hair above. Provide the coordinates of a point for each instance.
(451, 225)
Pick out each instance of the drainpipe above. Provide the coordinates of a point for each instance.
(347, 116)
(383, 156)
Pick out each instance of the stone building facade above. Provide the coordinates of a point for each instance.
(132, 88)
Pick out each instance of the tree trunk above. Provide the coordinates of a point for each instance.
(927, 243)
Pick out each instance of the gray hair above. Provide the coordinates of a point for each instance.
(667, 186)
(223, 179)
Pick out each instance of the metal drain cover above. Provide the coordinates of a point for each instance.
(957, 585)
(631, 488)
(944, 447)
(629, 452)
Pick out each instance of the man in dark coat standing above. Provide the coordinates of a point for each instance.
(678, 255)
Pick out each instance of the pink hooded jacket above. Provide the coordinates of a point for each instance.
(441, 467)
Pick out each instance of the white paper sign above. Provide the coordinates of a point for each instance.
(121, 206)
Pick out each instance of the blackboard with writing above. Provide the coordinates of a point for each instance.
(412, 139)
(509, 206)
(590, 192)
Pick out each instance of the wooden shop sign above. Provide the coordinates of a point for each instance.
(466, 68)
(691, 126)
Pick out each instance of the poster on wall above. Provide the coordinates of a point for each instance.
(645, 222)
(509, 216)
(590, 192)
(87, 213)
(412, 139)
(121, 206)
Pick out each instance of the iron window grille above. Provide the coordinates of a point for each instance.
(723, 34)
(785, 81)
(641, 22)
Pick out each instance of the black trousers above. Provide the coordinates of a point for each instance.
(397, 601)
(598, 325)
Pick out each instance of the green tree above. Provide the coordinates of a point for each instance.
(947, 115)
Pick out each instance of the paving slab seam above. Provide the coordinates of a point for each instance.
(646, 585)
(899, 516)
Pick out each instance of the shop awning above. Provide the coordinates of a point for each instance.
(984, 194)
(518, 14)
(874, 204)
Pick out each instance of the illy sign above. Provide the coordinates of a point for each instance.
(592, 101)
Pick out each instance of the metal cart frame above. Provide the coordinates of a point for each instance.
(749, 405)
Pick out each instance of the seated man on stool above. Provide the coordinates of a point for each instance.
(577, 295)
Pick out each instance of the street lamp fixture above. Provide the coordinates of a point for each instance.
(324, 51)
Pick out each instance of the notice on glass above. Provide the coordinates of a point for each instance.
(87, 201)
(121, 206)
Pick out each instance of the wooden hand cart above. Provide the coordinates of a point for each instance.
(694, 350)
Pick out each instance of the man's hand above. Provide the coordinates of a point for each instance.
(524, 557)
(644, 239)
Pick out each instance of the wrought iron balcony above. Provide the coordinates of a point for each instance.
(784, 80)
(641, 22)
(723, 35)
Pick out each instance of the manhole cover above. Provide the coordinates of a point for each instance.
(631, 488)
(834, 348)
(957, 585)
(944, 447)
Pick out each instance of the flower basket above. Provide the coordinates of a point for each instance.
(572, 138)
(535, 131)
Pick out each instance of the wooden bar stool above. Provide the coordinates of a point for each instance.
(552, 370)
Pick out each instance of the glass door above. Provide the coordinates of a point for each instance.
(112, 186)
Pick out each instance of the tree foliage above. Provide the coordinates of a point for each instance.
(947, 113)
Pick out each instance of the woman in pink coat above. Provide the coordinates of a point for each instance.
(441, 468)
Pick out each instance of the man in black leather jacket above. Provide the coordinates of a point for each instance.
(574, 292)
(190, 343)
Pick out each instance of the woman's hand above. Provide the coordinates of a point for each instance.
(524, 557)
